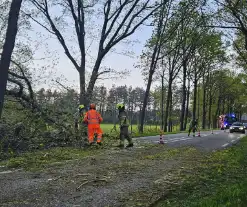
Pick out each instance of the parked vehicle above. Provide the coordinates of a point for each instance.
(245, 125)
(237, 127)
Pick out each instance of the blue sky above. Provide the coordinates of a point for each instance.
(64, 69)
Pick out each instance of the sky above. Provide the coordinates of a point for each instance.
(50, 54)
(51, 63)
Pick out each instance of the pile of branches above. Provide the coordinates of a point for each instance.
(29, 133)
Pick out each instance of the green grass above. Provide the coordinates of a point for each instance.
(108, 127)
(37, 160)
(218, 180)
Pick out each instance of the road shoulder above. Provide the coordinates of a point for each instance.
(215, 180)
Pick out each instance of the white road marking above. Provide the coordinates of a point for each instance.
(180, 140)
(174, 140)
(6, 172)
(225, 145)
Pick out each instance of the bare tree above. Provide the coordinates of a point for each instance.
(120, 20)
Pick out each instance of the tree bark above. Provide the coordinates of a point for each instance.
(167, 104)
(82, 86)
(210, 101)
(184, 96)
(187, 105)
(210, 109)
(195, 97)
(88, 94)
(8, 48)
(217, 112)
(145, 102)
(162, 101)
(198, 101)
(223, 106)
(170, 113)
(204, 112)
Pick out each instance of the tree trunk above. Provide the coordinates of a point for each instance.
(162, 101)
(8, 48)
(152, 68)
(170, 113)
(187, 105)
(184, 96)
(217, 112)
(198, 102)
(167, 105)
(210, 109)
(228, 105)
(223, 106)
(195, 98)
(87, 96)
(204, 112)
(145, 101)
(82, 70)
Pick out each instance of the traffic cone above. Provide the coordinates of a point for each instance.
(161, 138)
(199, 134)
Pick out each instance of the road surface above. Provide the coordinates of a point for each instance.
(129, 174)
(207, 141)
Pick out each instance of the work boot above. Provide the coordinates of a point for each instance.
(130, 145)
(121, 146)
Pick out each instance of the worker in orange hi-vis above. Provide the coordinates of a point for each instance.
(93, 119)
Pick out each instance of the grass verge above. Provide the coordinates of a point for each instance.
(217, 180)
(33, 161)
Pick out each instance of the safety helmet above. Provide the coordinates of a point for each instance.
(120, 106)
(81, 106)
(92, 106)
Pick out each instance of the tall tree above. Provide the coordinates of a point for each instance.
(154, 47)
(8, 47)
(119, 21)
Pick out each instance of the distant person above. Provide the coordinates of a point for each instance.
(124, 126)
(93, 119)
(193, 126)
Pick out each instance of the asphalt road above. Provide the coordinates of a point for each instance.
(207, 141)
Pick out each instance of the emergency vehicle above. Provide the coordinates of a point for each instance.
(226, 120)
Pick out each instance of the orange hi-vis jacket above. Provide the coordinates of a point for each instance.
(92, 117)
